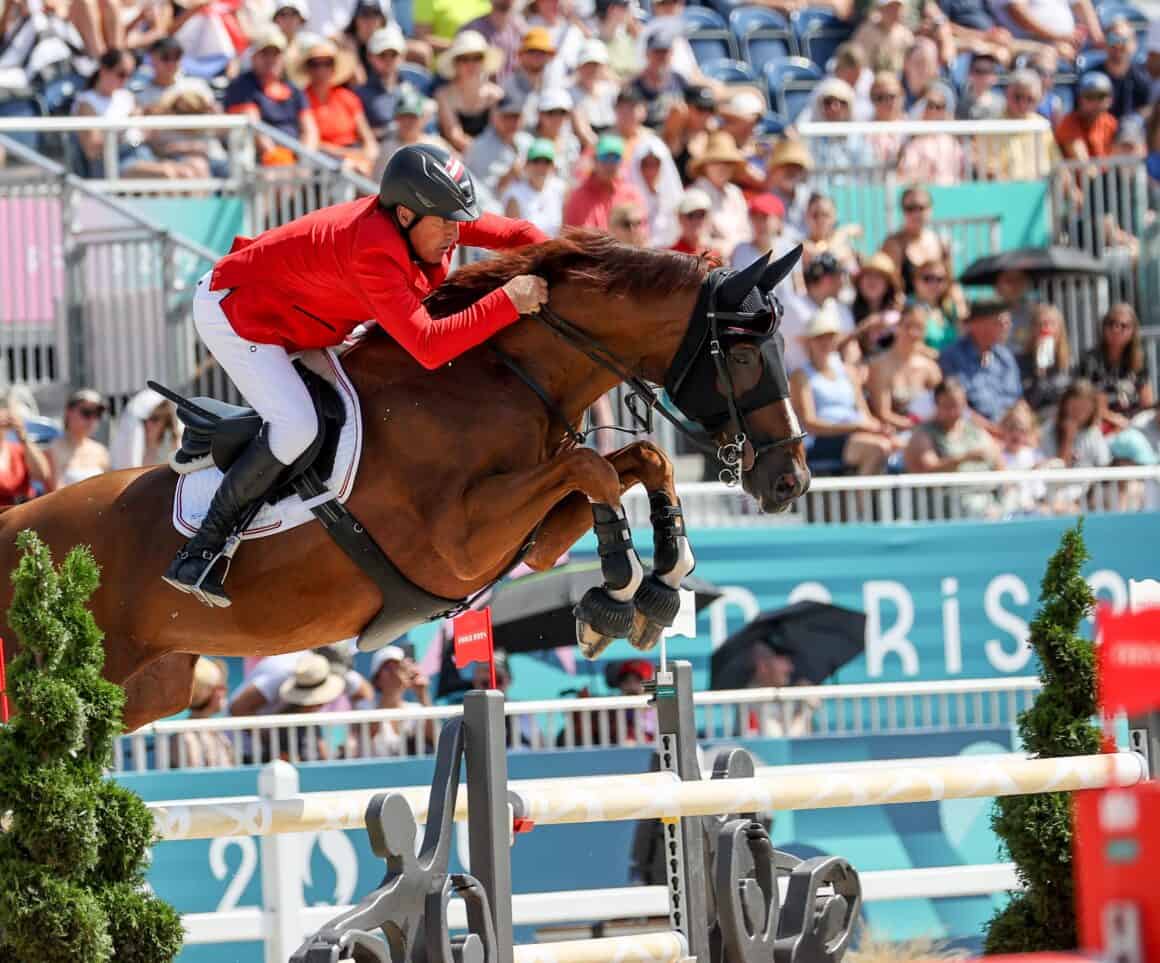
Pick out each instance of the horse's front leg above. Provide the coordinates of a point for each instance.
(520, 501)
(656, 600)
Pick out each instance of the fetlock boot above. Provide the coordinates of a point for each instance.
(195, 569)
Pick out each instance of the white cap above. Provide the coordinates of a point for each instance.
(835, 87)
(270, 35)
(744, 103)
(387, 38)
(301, 7)
(824, 321)
(592, 51)
(388, 653)
(555, 98)
(694, 199)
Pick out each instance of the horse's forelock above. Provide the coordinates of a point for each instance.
(585, 258)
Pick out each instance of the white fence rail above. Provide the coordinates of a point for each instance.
(800, 712)
(892, 499)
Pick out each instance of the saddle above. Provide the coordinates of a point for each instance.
(216, 433)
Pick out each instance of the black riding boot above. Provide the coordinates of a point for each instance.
(249, 478)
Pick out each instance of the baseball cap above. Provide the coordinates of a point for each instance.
(387, 38)
(767, 204)
(542, 149)
(610, 145)
(511, 103)
(411, 103)
(821, 266)
(592, 51)
(629, 94)
(660, 39)
(388, 653)
(538, 38)
(269, 36)
(1095, 82)
(744, 103)
(694, 199)
(555, 98)
(838, 88)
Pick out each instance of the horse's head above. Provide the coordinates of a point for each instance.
(729, 376)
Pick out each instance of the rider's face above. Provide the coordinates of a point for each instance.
(432, 237)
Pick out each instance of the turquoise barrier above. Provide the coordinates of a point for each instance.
(207, 876)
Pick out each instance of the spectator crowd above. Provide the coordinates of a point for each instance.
(611, 115)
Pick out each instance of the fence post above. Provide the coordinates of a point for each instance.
(74, 287)
(281, 860)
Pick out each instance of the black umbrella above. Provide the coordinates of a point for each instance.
(820, 639)
(534, 612)
(1036, 261)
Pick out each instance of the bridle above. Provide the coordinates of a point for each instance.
(644, 400)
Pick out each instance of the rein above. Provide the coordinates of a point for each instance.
(643, 394)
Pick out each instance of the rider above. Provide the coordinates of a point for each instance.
(308, 284)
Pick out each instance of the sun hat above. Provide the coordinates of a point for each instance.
(882, 263)
(835, 87)
(720, 148)
(270, 35)
(320, 49)
(468, 43)
(786, 152)
(824, 321)
(193, 93)
(313, 682)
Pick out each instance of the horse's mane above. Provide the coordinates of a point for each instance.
(585, 258)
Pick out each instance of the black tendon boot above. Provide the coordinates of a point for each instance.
(249, 478)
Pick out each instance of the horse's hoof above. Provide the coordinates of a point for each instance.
(657, 606)
(600, 619)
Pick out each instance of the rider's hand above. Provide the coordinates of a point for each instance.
(527, 292)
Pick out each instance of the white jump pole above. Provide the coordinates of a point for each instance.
(666, 947)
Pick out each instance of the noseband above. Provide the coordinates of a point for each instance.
(699, 341)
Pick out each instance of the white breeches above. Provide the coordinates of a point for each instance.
(263, 373)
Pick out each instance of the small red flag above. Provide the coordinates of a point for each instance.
(472, 631)
(1128, 660)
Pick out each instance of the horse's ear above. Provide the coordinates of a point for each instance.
(735, 287)
(779, 270)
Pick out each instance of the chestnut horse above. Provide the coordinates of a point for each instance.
(460, 466)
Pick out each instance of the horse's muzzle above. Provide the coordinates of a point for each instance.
(775, 492)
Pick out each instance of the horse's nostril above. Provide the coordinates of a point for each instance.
(787, 485)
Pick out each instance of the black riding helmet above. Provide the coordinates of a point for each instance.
(430, 181)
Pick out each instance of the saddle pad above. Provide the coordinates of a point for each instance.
(195, 490)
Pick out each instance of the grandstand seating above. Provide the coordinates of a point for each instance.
(790, 83)
(730, 72)
(762, 35)
(772, 125)
(819, 33)
(1090, 60)
(708, 35)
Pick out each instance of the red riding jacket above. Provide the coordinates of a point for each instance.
(309, 283)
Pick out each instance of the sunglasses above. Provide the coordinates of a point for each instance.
(696, 215)
(833, 102)
(608, 159)
(1095, 95)
(936, 105)
(472, 58)
(1120, 325)
(915, 208)
(933, 278)
(319, 64)
(90, 412)
(635, 222)
(555, 112)
(883, 98)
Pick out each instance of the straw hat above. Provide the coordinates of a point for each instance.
(313, 683)
(788, 151)
(824, 321)
(468, 43)
(191, 95)
(883, 264)
(720, 148)
(344, 64)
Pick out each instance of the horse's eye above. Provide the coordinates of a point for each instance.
(743, 355)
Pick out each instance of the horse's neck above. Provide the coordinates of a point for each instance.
(643, 346)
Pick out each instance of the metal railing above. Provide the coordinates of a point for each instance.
(992, 150)
(99, 295)
(798, 712)
(900, 499)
